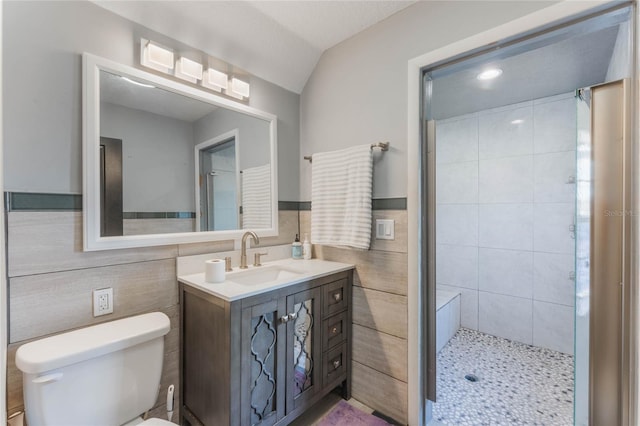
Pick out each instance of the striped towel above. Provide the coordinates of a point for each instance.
(256, 197)
(341, 184)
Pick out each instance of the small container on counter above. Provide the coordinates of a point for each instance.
(296, 248)
(306, 248)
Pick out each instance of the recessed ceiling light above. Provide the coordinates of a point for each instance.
(489, 74)
(518, 121)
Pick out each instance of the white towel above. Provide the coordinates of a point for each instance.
(341, 184)
(256, 197)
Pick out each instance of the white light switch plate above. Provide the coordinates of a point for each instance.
(385, 229)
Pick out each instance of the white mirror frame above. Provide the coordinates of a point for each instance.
(92, 65)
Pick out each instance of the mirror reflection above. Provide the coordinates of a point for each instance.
(218, 184)
(172, 164)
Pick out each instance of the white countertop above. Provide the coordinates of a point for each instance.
(230, 290)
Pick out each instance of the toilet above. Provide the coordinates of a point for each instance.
(107, 374)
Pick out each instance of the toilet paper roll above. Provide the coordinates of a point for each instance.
(214, 271)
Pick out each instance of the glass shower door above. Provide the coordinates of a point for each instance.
(582, 241)
(218, 187)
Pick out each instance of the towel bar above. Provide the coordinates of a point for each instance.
(384, 146)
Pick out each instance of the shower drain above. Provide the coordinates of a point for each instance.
(472, 378)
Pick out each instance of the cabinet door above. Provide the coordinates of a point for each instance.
(303, 347)
(263, 354)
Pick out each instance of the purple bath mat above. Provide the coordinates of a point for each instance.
(344, 414)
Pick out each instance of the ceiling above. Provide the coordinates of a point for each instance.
(118, 91)
(279, 41)
(282, 41)
(578, 61)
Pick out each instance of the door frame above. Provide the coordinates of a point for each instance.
(557, 13)
(222, 138)
(4, 304)
(111, 205)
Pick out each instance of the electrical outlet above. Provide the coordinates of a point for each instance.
(102, 301)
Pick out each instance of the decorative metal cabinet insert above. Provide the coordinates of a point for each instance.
(265, 359)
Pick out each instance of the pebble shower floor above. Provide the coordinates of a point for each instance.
(518, 384)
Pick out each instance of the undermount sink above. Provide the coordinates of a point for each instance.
(264, 274)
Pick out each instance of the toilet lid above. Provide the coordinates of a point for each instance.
(156, 422)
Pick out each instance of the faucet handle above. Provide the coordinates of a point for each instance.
(256, 258)
(227, 264)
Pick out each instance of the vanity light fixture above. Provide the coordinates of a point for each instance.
(215, 80)
(155, 56)
(188, 70)
(233, 94)
(239, 88)
(489, 74)
(159, 58)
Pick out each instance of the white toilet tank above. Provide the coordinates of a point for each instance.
(107, 374)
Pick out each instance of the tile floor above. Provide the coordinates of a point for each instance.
(518, 384)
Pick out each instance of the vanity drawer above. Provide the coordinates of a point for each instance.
(335, 297)
(335, 362)
(334, 330)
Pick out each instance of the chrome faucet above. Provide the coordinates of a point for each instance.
(243, 253)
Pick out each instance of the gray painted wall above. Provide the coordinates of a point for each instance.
(357, 93)
(620, 64)
(286, 105)
(157, 163)
(42, 82)
(158, 152)
(253, 134)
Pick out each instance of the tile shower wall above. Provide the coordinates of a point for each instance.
(505, 212)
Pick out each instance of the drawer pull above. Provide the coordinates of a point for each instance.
(334, 330)
(337, 296)
(336, 364)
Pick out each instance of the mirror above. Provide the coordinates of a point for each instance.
(217, 183)
(169, 163)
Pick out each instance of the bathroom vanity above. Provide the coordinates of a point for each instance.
(266, 344)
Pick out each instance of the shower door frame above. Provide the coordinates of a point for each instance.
(231, 135)
(558, 15)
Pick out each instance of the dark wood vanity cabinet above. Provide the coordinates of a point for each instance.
(264, 359)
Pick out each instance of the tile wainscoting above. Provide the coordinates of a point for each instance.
(379, 315)
(51, 282)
